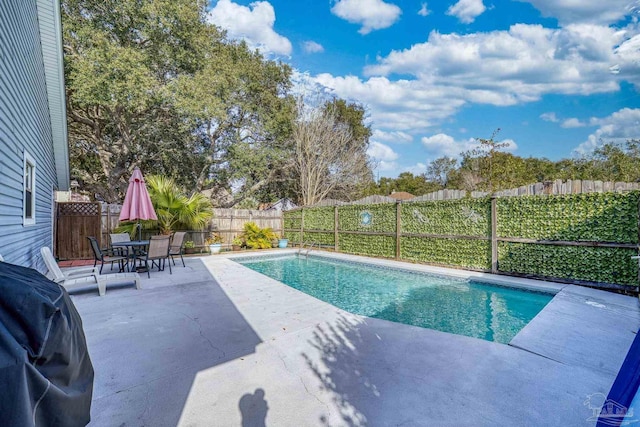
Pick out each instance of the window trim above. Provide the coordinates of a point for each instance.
(28, 160)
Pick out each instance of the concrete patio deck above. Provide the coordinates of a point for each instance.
(216, 344)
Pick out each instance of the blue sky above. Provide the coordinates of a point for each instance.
(556, 76)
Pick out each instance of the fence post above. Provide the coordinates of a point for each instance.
(494, 235)
(108, 205)
(638, 249)
(54, 248)
(398, 227)
(281, 224)
(302, 228)
(336, 246)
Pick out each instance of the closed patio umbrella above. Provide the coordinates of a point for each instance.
(137, 203)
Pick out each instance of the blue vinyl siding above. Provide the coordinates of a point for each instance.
(25, 125)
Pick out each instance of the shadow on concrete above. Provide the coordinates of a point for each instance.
(253, 408)
(340, 371)
(379, 373)
(148, 346)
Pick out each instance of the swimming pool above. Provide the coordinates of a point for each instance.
(458, 306)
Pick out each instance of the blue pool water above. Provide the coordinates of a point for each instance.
(462, 307)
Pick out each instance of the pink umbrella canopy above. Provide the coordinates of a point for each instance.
(137, 203)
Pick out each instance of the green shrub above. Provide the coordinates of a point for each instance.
(256, 237)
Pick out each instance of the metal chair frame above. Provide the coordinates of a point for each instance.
(105, 255)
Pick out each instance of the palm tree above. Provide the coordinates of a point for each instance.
(174, 209)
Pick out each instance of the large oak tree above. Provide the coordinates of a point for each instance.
(152, 84)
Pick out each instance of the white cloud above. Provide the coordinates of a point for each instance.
(253, 24)
(618, 127)
(511, 145)
(424, 11)
(628, 59)
(467, 10)
(549, 117)
(566, 123)
(383, 166)
(383, 156)
(381, 151)
(404, 105)
(592, 11)
(395, 137)
(445, 145)
(310, 46)
(572, 123)
(371, 14)
(417, 169)
(500, 68)
(518, 65)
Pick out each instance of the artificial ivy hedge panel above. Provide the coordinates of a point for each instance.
(598, 217)
(593, 264)
(466, 217)
(467, 253)
(380, 246)
(292, 220)
(319, 238)
(319, 218)
(383, 218)
(293, 236)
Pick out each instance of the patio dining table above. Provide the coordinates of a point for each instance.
(132, 247)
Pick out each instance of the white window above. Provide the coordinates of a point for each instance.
(29, 208)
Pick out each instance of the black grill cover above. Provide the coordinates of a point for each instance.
(46, 376)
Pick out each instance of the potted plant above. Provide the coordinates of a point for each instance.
(214, 241)
(189, 247)
(237, 243)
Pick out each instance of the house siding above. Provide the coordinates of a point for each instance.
(25, 125)
(51, 36)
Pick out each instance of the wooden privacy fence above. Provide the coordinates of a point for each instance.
(557, 187)
(576, 186)
(74, 222)
(110, 214)
(229, 223)
(581, 238)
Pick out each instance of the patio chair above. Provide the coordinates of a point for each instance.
(84, 276)
(105, 255)
(132, 252)
(117, 238)
(158, 252)
(176, 246)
